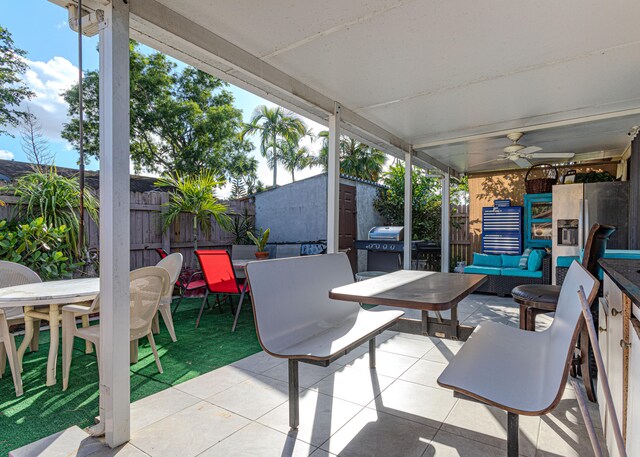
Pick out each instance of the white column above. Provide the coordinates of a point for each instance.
(333, 182)
(408, 197)
(446, 214)
(114, 224)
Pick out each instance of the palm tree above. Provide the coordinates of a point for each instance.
(194, 195)
(356, 158)
(274, 125)
(295, 158)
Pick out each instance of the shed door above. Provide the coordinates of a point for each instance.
(348, 224)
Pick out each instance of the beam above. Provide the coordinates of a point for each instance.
(461, 137)
(333, 182)
(408, 198)
(445, 254)
(156, 22)
(114, 224)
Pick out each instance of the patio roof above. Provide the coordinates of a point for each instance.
(445, 80)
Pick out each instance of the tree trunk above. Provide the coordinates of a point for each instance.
(275, 160)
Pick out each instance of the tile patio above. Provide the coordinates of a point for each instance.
(346, 409)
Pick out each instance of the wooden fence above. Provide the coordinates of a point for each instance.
(459, 235)
(147, 233)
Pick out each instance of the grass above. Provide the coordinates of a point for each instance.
(42, 410)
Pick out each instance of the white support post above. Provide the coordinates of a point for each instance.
(114, 224)
(333, 182)
(408, 197)
(446, 215)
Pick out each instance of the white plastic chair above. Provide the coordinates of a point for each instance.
(173, 264)
(519, 371)
(147, 286)
(14, 274)
(296, 319)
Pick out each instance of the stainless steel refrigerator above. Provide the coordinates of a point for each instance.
(576, 207)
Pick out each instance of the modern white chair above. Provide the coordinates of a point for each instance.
(296, 319)
(147, 286)
(173, 264)
(519, 371)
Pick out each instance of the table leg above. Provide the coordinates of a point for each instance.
(425, 323)
(28, 334)
(454, 322)
(54, 331)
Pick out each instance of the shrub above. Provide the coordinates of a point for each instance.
(38, 246)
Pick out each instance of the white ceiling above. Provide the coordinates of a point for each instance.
(438, 71)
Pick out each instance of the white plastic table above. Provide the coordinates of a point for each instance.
(52, 294)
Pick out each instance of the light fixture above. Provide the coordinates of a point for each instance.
(92, 22)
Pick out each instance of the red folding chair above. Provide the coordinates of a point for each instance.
(193, 282)
(220, 278)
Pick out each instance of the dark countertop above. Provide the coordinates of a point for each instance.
(624, 272)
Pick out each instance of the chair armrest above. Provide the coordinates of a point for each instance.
(76, 309)
(192, 277)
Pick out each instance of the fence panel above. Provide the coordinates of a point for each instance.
(459, 234)
(147, 232)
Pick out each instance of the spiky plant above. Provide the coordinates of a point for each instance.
(195, 195)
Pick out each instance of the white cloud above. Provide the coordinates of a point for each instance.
(6, 155)
(48, 80)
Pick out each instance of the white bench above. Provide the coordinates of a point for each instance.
(519, 371)
(296, 319)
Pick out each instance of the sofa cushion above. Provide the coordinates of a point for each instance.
(486, 260)
(524, 259)
(565, 261)
(535, 260)
(510, 261)
(482, 270)
(519, 272)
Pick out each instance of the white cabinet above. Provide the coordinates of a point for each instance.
(633, 407)
(613, 357)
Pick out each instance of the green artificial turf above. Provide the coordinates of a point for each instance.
(43, 410)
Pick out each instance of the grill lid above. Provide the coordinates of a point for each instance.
(388, 233)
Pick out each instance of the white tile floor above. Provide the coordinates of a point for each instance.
(345, 409)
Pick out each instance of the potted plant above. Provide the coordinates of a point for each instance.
(261, 242)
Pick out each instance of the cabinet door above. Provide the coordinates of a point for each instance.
(633, 408)
(602, 342)
(615, 363)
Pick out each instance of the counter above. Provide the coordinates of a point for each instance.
(625, 273)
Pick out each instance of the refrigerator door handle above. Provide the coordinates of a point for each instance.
(587, 225)
(581, 224)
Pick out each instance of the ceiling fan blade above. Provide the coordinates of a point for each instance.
(522, 162)
(551, 155)
(529, 150)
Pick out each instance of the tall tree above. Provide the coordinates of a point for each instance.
(13, 90)
(356, 158)
(294, 156)
(242, 170)
(34, 144)
(274, 125)
(181, 120)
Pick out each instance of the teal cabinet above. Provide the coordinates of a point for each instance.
(537, 220)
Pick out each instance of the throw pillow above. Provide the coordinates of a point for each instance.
(535, 260)
(524, 259)
(510, 261)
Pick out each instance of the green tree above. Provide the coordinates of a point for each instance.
(273, 126)
(356, 158)
(426, 201)
(195, 195)
(182, 121)
(12, 90)
(242, 170)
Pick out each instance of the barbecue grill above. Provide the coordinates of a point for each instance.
(385, 248)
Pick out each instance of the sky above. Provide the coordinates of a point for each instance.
(40, 28)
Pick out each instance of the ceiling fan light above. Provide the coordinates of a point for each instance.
(513, 148)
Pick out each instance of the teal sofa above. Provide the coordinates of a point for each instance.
(505, 272)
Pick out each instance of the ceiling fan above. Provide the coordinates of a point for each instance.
(519, 153)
